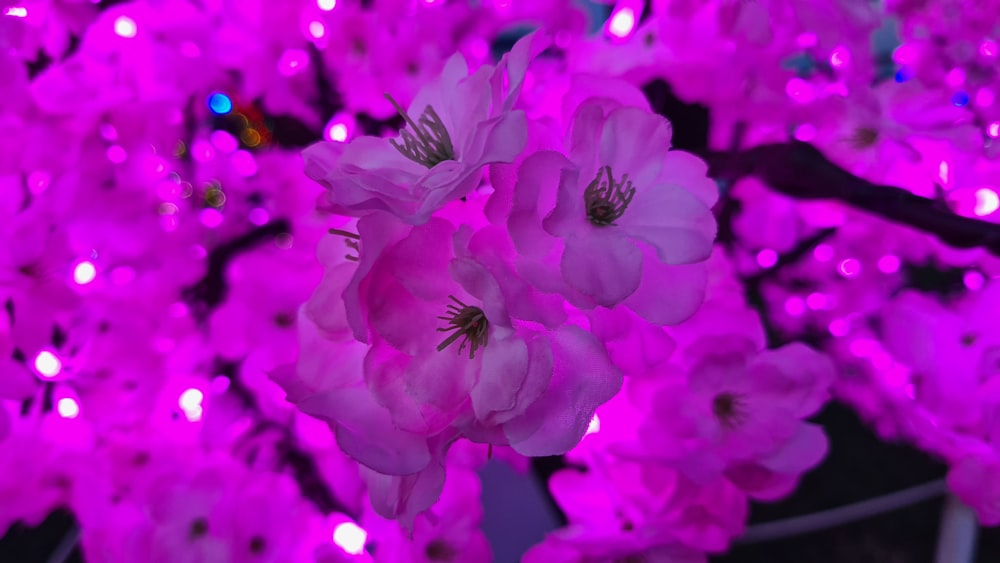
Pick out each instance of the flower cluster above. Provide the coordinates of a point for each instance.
(463, 309)
(326, 258)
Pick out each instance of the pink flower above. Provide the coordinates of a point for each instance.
(741, 407)
(449, 531)
(954, 349)
(455, 126)
(630, 215)
(454, 337)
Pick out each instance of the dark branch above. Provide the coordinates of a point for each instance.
(801, 171)
(210, 291)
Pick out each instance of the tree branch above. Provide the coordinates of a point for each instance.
(801, 171)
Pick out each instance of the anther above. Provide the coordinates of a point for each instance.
(351, 240)
(729, 409)
(607, 200)
(468, 323)
(427, 142)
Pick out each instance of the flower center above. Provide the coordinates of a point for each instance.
(198, 529)
(440, 550)
(607, 200)
(427, 142)
(863, 137)
(466, 322)
(730, 409)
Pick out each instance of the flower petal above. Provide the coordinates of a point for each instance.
(583, 378)
(679, 226)
(607, 268)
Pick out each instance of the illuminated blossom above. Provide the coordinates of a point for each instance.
(455, 126)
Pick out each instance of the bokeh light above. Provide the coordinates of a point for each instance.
(219, 103)
(767, 258)
(622, 23)
(84, 272)
(47, 364)
(125, 27)
(67, 407)
(350, 537)
(987, 201)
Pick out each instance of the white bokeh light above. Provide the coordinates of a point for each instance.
(68, 408)
(84, 273)
(125, 27)
(191, 399)
(622, 23)
(47, 364)
(350, 537)
(987, 201)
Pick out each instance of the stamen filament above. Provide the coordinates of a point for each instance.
(427, 142)
(607, 200)
(466, 322)
(347, 234)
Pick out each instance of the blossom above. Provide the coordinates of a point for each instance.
(630, 215)
(737, 407)
(455, 126)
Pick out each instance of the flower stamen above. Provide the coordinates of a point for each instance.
(729, 409)
(607, 200)
(863, 138)
(427, 142)
(467, 322)
(352, 241)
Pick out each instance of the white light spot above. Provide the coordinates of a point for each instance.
(350, 537)
(68, 408)
(943, 170)
(622, 23)
(317, 30)
(987, 202)
(191, 399)
(84, 273)
(125, 27)
(595, 425)
(16, 12)
(326, 5)
(47, 364)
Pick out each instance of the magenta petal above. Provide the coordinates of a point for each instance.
(633, 141)
(505, 365)
(668, 295)
(404, 497)
(679, 226)
(538, 181)
(500, 139)
(365, 431)
(605, 267)
(683, 169)
(583, 378)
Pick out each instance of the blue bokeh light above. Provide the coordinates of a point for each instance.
(960, 99)
(220, 104)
